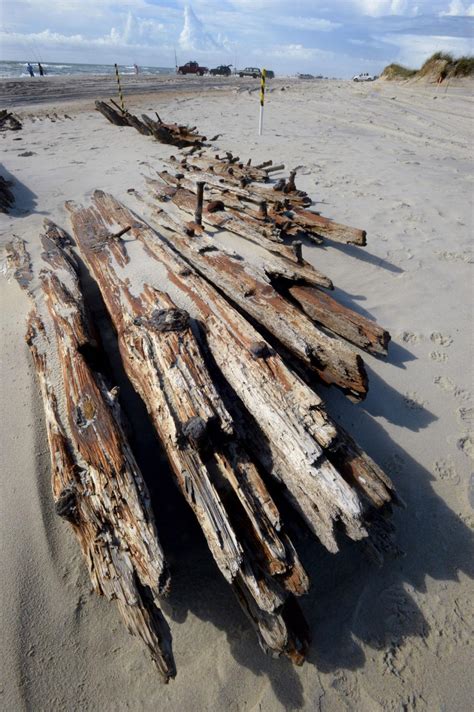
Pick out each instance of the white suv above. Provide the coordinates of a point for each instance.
(364, 78)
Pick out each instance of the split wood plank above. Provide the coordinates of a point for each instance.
(162, 358)
(250, 288)
(97, 485)
(341, 320)
(294, 432)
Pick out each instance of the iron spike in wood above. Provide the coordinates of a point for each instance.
(199, 201)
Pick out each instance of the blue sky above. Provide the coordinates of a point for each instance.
(331, 37)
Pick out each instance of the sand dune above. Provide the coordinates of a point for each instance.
(395, 160)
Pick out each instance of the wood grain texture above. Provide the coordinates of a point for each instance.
(251, 289)
(162, 357)
(294, 435)
(97, 486)
(353, 327)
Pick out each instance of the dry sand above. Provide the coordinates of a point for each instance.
(396, 161)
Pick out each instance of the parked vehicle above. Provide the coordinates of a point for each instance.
(249, 72)
(223, 70)
(364, 77)
(192, 68)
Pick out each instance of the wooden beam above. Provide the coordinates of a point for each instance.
(325, 310)
(97, 486)
(294, 432)
(162, 357)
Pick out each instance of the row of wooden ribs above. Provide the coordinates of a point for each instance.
(223, 351)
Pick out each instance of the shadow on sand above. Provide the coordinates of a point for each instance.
(25, 199)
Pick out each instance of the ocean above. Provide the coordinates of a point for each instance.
(13, 70)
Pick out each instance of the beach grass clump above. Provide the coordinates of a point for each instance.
(440, 66)
(398, 71)
(464, 67)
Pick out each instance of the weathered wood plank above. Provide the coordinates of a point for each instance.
(318, 225)
(353, 327)
(250, 288)
(162, 358)
(293, 429)
(96, 483)
(283, 261)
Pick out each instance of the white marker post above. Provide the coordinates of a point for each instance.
(262, 101)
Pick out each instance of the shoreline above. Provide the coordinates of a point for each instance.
(25, 91)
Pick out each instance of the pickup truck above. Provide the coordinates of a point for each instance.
(192, 68)
(223, 70)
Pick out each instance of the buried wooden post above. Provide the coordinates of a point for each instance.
(199, 201)
(290, 186)
(263, 210)
(262, 100)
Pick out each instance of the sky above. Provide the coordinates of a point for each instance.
(330, 37)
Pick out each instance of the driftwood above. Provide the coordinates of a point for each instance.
(294, 440)
(285, 260)
(9, 121)
(321, 308)
(173, 134)
(320, 226)
(227, 184)
(7, 199)
(97, 486)
(286, 204)
(250, 288)
(353, 327)
(163, 359)
(275, 265)
(227, 168)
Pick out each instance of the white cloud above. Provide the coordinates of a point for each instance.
(415, 49)
(307, 23)
(293, 51)
(457, 9)
(193, 36)
(380, 8)
(347, 33)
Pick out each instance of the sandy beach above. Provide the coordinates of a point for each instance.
(393, 159)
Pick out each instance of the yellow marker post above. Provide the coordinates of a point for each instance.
(122, 103)
(262, 101)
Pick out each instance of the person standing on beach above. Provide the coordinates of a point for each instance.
(41, 70)
(30, 70)
(136, 68)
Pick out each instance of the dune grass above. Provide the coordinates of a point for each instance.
(398, 71)
(440, 66)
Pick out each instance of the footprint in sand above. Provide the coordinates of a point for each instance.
(465, 414)
(447, 384)
(455, 256)
(466, 445)
(445, 470)
(438, 356)
(410, 338)
(441, 339)
(413, 401)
